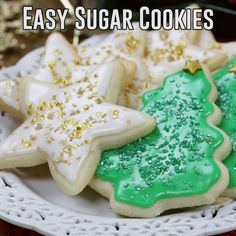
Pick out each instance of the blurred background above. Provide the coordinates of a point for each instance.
(14, 42)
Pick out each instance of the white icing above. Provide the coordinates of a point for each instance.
(149, 73)
(72, 118)
(9, 92)
(58, 54)
(170, 61)
(207, 39)
(124, 44)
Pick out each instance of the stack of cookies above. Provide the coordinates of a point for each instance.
(145, 118)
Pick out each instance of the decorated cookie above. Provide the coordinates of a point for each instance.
(155, 53)
(59, 60)
(166, 53)
(225, 80)
(179, 163)
(124, 44)
(69, 126)
(208, 42)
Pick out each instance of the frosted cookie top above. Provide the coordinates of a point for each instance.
(67, 122)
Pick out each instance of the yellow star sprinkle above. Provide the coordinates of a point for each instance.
(192, 66)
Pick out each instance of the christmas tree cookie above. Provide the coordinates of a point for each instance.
(179, 163)
(225, 80)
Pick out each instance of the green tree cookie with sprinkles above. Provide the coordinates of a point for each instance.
(225, 80)
(179, 163)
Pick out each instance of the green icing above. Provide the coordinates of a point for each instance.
(226, 85)
(176, 159)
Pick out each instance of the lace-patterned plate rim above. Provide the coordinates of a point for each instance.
(23, 207)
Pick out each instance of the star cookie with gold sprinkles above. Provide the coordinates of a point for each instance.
(69, 126)
(155, 53)
(59, 60)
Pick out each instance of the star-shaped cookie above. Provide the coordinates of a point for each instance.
(129, 45)
(69, 126)
(59, 60)
(208, 41)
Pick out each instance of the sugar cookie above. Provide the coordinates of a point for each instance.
(166, 53)
(179, 163)
(225, 80)
(155, 53)
(59, 61)
(124, 44)
(69, 126)
(208, 42)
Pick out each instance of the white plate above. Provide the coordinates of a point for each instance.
(30, 198)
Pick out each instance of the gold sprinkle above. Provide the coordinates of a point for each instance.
(33, 138)
(25, 142)
(145, 84)
(50, 106)
(77, 132)
(80, 91)
(156, 57)
(86, 141)
(150, 76)
(192, 66)
(98, 100)
(163, 35)
(38, 127)
(146, 52)
(131, 42)
(115, 113)
(86, 107)
(179, 50)
(41, 117)
(215, 45)
(233, 68)
(74, 113)
(33, 121)
(50, 116)
(90, 96)
(31, 109)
